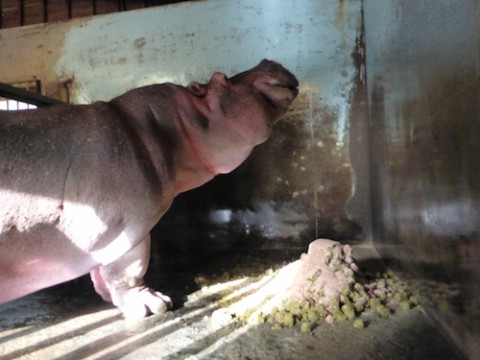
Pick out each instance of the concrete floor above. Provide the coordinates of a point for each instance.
(71, 322)
(52, 326)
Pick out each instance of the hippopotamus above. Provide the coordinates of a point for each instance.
(81, 186)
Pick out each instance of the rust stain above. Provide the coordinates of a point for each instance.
(340, 12)
(359, 56)
(358, 205)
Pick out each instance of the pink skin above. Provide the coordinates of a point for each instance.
(81, 186)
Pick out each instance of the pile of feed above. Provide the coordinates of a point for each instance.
(324, 285)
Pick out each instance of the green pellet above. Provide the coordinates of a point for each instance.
(348, 311)
(334, 305)
(413, 300)
(313, 316)
(306, 327)
(346, 290)
(374, 303)
(339, 315)
(288, 320)
(358, 287)
(358, 323)
(383, 311)
(400, 296)
(359, 307)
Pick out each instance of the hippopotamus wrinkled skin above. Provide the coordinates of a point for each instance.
(81, 186)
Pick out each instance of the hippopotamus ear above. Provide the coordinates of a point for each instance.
(197, 89)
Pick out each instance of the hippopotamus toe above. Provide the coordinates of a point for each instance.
(137, 304)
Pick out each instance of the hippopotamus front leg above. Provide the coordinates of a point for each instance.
(121, 283)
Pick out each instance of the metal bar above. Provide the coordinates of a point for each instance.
(45, 10)
(69, 9)
(22, 12)
(29, 97)
(94, 6)
(1, 15)
(38, 86)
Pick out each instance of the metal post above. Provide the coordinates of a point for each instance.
(45, 10)
(22, 12)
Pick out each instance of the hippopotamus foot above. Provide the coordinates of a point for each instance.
(142, 301)
(121, 283)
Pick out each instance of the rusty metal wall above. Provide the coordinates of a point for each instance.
(424, 102)
(21, 13)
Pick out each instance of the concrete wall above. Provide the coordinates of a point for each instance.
(299, 184)
(424, 90)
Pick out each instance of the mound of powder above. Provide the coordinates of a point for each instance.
(323, 285)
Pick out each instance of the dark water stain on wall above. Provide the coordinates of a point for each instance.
(293, 188)
(307, 164)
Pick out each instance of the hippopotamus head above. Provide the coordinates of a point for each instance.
(235, 114)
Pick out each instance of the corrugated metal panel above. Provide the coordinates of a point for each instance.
(15, 13)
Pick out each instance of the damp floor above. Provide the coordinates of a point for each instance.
(71, 322)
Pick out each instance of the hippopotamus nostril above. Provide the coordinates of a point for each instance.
(279, 91)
